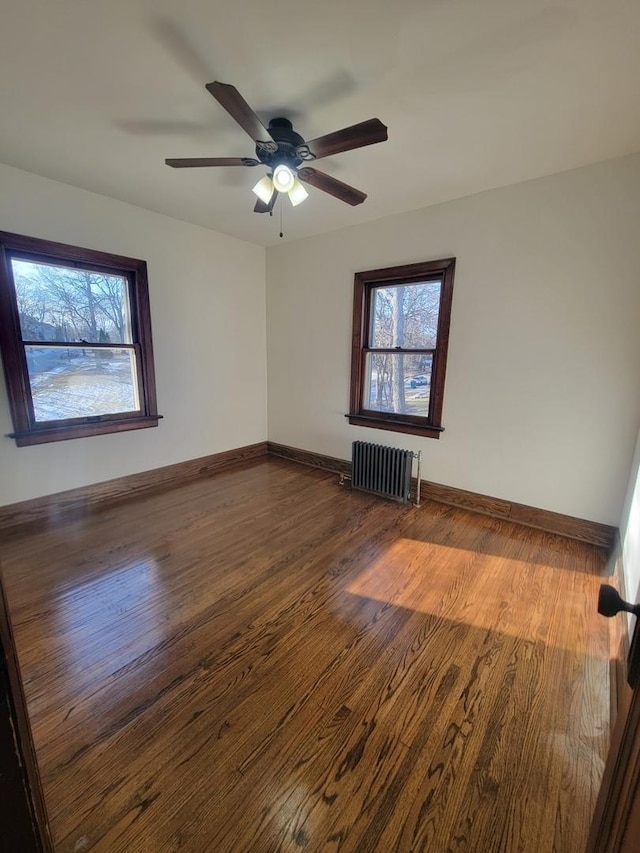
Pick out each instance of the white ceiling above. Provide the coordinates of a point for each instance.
(96, 93)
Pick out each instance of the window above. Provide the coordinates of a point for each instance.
(75, 331)
(400, 336)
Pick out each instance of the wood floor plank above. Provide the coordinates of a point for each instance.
(265, 661)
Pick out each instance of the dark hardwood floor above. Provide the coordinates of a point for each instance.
(266, 661)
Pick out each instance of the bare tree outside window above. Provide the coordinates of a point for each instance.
(75, 306)
(79, 304)
(82, 361)
(405, 322)
(401, 323)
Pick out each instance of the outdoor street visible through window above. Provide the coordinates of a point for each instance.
(403, 318)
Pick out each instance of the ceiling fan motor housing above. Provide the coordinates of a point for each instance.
(284, 148)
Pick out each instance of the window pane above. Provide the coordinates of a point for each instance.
(80, 382)
(398, 383)
(58, 303)
(405, 315)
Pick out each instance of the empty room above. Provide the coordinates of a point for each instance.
(320, 426)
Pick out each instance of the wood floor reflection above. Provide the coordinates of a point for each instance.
(265, 661)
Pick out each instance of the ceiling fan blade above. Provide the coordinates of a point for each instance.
(266, 207)
(357, 136)
(331, 185)
(233, 102)
(191, 162)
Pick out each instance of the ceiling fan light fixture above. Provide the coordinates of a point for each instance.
(264, 189)
(283, 178)
(297, 193)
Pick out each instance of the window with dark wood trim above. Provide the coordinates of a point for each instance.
(401, 319)
(75, 337)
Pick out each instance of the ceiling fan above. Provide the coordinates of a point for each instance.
(285, 152)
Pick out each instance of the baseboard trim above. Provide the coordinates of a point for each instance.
(79, 502)
(592, 532)
(306, 457)
(75, 503)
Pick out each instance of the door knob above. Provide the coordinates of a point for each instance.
(610, 602)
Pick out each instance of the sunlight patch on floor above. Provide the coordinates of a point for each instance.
(454, 584)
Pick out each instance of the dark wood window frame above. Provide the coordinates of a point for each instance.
(26, 430)
(364, 284)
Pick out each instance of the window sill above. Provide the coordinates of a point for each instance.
(62, 433)
(395, 426)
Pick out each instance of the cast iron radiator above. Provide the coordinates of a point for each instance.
(382, 470)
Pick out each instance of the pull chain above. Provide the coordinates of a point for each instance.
(271, 214)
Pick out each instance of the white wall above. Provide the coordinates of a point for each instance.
(542, 401)
(630, 532)
(541, 404)
(207, 295)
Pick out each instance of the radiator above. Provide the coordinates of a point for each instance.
(382, 470)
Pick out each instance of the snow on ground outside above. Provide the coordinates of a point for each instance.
(85, 387)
